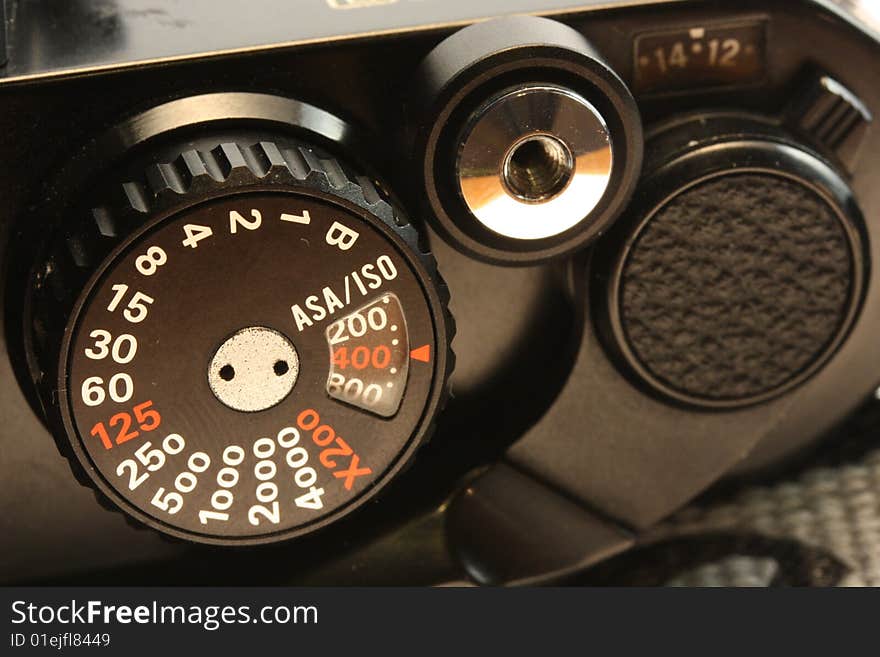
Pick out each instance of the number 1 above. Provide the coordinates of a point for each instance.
(120, 289)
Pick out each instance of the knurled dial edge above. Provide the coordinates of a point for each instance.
(166, 188)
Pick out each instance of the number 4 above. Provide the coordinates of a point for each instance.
(311, 500)
(195, 234)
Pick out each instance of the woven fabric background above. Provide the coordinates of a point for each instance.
(834, 509)
(817, 523)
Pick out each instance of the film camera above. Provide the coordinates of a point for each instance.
(421, 291)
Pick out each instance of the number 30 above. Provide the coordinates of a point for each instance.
(123, 350)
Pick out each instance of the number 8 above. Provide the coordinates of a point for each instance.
(149, 263)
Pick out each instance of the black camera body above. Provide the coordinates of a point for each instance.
(559, 268)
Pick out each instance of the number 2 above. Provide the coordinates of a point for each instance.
(236, 220)
(133, 480)
(256, 511)
(124, 420)
(729, 50)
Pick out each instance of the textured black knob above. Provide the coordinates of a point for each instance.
(739, 270)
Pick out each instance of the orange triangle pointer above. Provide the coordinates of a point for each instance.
(421, 353)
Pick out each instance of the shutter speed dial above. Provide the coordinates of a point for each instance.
(264, 351)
